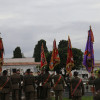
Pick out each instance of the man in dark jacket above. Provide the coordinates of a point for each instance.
(96, 83)
(16, 84)
(58, 85)
(29, 85)
(6, 86)
(47, 81)
(77, 87)
(20, 90)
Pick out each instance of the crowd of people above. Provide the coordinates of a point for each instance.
(42, 84)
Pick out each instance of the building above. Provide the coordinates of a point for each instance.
(20, 63)
(25, 63)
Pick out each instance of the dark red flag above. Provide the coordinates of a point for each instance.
(1, 53)
(70, 61)
(43, 58)
(55, 59)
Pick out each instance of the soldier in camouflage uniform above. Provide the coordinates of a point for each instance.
(16, 84)
(6, 86)
(58, 85)
(39, 85)
(29, 85)
(47, 81)
(77, 87)
(20, 90)
(96, 83)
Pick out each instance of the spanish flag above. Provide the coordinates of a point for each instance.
(55, 59)
(43, 58)
(1, 53)
(70, 61)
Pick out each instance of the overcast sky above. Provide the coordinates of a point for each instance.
(24, 22)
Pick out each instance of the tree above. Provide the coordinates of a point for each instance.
(78, 58)
(37, 50)
(62, 44)
(17, 53)
(77, 54)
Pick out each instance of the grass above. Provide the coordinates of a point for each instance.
(83, 98)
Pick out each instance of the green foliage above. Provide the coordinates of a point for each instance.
(63, 57)
(37, 50)
(62, 49)
(17, 53)
(83, 98)
(62, 44)
(78, 58)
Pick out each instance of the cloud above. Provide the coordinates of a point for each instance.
(23, 23)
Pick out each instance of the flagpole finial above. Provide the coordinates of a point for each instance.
(90, 26)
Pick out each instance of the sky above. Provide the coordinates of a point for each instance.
(24, 22)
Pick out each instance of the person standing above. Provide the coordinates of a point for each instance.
(58, 85)
(47, 81)
(6, 86)
(77, 87)
(29, 85)
(39, 84)
(16, 84)
(21, 87)
(96, 83)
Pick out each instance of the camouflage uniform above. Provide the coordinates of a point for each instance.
(47, 80)
(21, 87)
(96, 83)
(16, 84)
(59, 87)
(29, 86)
(79, 91)
(39, 86)
(5, 92)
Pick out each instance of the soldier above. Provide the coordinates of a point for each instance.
(91, 78)
(16, 84)
(58, 85)
(29, 85)
(96, 83)
(77, 87)
(39, 85)
(47, 81)
(20, 90)
(5, 84)
(68, 78)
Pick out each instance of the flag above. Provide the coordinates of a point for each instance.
(55, 59)
(70, 61)
(1, 53)
(88, 60)
(43, 58)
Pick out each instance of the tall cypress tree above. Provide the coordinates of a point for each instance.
(37, 50)
(17, 53)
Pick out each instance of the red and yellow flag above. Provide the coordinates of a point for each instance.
(55, 59)
(70, 61)
(1, 53)
(43, 58)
